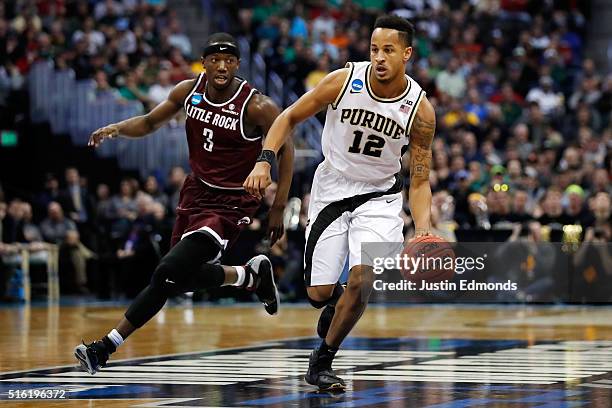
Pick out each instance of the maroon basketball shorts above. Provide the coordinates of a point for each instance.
(221, 214)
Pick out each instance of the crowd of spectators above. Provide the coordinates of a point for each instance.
(524, 131)
(134, 50)
(99, 235)
(110, 238)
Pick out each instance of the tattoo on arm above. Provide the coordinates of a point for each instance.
(424, 126)
(421, 137)
(419, 163)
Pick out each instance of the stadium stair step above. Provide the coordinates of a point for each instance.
(599, 34)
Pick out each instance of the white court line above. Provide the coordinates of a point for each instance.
(436, 379)
(155, 376)
(449, 374)
(219, 370)
(110, 381)
(528, 370)
(271, 342)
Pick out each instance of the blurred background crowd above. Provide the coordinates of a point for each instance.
(133, 49)
(523, 142)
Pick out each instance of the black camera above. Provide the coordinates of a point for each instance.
(599, 233)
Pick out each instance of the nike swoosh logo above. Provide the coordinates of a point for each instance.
(169, 281)
(354, 91)
(390, 201)
(222, 48)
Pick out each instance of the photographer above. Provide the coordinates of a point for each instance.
(593, 268)
(530, 262)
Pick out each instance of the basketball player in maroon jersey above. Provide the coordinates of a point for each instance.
(226, 120)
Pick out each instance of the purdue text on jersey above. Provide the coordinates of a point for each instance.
(374, 121)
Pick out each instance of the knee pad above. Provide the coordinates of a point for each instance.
(179, 268)
(164, 277)
(317, 304)
(333, 299)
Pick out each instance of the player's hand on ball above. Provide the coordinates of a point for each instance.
(258, 180)
(423, 233)
(106, 132)
(275, 224)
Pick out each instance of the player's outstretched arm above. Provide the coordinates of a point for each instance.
(264, 111)
(308, 105)
(421, 137)
(140, 126)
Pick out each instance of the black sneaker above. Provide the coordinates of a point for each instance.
(322, 375)
(92, 356)
(265, 287)
(325, 320)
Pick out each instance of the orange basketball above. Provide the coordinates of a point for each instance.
(429, 258)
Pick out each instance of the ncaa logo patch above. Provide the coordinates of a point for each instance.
(196, 98)
(244, 220)
(356, 85)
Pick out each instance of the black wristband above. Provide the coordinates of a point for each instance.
(267, 156)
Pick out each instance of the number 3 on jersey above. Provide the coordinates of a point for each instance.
(373, 147)
(208, 139)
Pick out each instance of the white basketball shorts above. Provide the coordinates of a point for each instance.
(343, 214)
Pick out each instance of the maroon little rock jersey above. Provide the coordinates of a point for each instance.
(221, 155)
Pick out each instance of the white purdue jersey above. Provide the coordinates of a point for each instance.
(364, 134)
(355, 197)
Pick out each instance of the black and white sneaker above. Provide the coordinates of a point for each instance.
(321, 374)
(92, 356)
(325, 320)
(265, 288)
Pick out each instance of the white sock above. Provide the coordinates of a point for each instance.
(115, 337)
(241, 275)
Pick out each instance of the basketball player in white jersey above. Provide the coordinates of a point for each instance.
(374, 111)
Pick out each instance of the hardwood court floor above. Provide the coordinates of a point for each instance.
(44, 336)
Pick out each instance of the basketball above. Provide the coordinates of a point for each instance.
(428, 258)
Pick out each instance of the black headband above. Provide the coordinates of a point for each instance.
(222, 48)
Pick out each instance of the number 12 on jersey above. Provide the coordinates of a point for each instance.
(208, 139)
(373, 147)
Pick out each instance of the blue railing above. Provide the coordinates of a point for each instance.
(77, 108)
